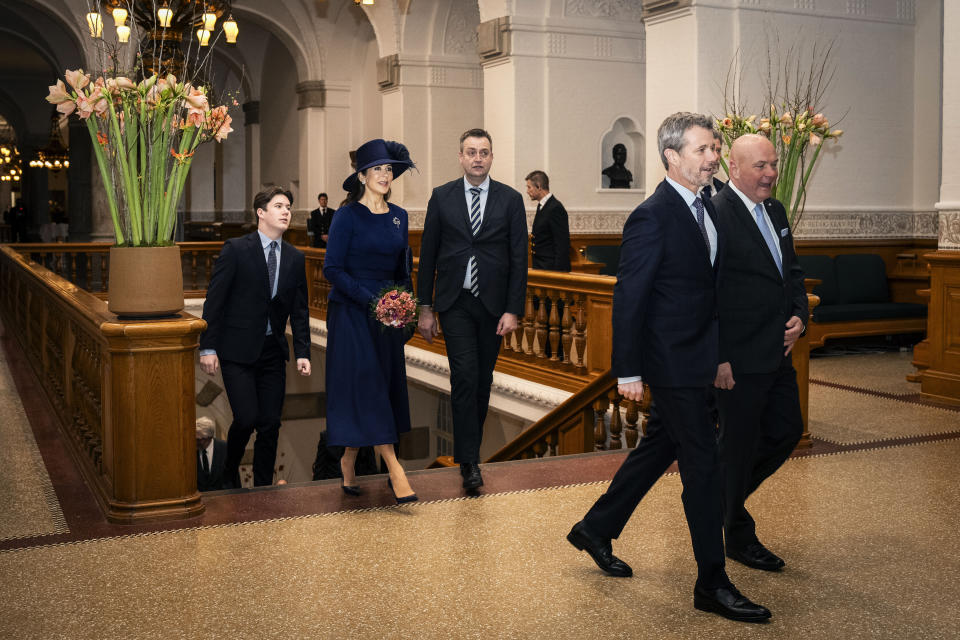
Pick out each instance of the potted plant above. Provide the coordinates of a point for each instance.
(144, 138)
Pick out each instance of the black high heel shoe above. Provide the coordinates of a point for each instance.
(405, 499)
(349, 489)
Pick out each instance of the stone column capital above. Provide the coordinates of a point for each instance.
(311, 94)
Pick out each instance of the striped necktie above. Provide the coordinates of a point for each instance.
(475, 227)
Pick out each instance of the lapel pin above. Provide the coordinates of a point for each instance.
(396, 221)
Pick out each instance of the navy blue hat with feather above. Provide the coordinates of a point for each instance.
(377, 152)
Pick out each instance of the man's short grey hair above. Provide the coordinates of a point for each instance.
(670, 133)
(206, 427)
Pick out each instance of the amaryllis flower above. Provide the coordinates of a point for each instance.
(764, 126)
(119, 83)
(786, 118)
(66, 108)
(836, 133)
(819, 120)
(84, 106)
(194, 118)
(197, 99)
(815, 140)
(727, 123)
(77, 79)
(58, 93)
(786, 139)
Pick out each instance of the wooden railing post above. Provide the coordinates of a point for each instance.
(801, 362)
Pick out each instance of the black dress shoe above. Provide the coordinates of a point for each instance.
(471, 475)
(600, 550)
(729, 603)
(756, 556)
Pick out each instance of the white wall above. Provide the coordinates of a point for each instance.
(279, 131)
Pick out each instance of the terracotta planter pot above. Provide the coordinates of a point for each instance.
(145, 281)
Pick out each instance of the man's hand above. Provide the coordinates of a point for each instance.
(324, 236)
(508, 324)
(631, 390)
(303, 366)
(209, 364)
(794, 329)
(724, 378)
(428, 324)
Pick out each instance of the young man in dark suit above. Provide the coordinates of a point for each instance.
(258, 282)
(550, 233)
(473, 273)
(665, 333)
(763, 305)
(319, 223)
(211, 456)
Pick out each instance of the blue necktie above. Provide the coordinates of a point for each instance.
(768, 235)
(698, 205)
(475, 227)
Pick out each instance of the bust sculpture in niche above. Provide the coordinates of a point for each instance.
(620, 177)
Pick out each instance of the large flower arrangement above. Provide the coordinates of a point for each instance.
(796, 79)
(798, 140)
(144, 138)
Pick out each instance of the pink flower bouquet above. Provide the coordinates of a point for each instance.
(396, 308)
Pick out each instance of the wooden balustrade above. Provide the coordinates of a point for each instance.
(87, 264)
(122, 391)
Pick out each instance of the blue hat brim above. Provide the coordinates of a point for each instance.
(398, 170)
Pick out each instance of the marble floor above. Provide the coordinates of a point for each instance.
(867, 524)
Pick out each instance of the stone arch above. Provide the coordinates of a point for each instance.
(623, 130)
(297, 44)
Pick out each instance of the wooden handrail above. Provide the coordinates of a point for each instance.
(121, 391)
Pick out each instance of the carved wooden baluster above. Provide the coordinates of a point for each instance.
(516, 339)
(74, 271)
(88, 266)
(633, 414)
(540, 326)
(600, 407)
(616, 423)
(554, 324)
(193, 257)
(539, 448)
(528, 326)
(104, 272)
(552, 439)
(645, 408)
(566, 326)
(580, 341)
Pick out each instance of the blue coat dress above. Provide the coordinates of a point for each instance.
(366, 378)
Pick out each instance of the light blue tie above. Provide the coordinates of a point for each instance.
(768, 235)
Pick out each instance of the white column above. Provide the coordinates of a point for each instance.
(949, 204)
(251, 131)
(311, 99)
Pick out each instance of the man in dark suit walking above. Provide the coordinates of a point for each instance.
(211, 456)
(665, 333)
(319, 224)
(258, 282)
(763, 305)
(550, 233)
(473, 273)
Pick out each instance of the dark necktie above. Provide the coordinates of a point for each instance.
(204, 464)
(538, 207)
(475, 227)
(272, 266)
(705, 192)
(698, 205)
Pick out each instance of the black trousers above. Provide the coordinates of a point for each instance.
(680, 429)
(256, 393)
(760, 424)
(470, 333)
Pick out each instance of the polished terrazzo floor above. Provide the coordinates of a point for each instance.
(870, 539)
(868, 525)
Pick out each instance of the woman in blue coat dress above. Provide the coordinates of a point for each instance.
(366, 378)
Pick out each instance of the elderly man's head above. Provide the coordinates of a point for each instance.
(753, 166)
(206, 428)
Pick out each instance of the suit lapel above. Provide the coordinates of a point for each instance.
(256, 254)
(490, 211)
(749, 223)
(687, 221)
(460, 205)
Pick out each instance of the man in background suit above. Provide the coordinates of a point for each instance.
(716, 184)
(473, 273)
(763, 305)
(665, 333)
(550, 233)
(258, 282)
(319, 224)
(211, 456)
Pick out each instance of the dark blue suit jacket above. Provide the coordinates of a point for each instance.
(238, 302)
(500, 247)
(665, 302)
